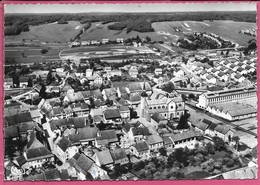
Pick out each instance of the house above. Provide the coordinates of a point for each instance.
(138, 133)
(140, 149)
(201, 125)
(119, 40)
(63, 149)
(36, 154)
(119, 156)
(85, 166)
(8, 83)
(154, 142)
(85, 136)
(112, 115)
(167, 142)
(109, 92)
(133, 72)
(184, 139)
(80, 109)
(72, 97)
(105, 41)
(242, 71)
(98, 79)
(124, 112)
(89, 72)
(103, 158)
(222, 76)
(106, 138)
(23, 82)
(158, 71)
(239, 78)
(179, 73)
(203, 74)
(211, 79)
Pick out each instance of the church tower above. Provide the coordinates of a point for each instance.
(144, 97)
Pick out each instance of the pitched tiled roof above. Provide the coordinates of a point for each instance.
(183, 135)
(153, 139)
(53, 174)
(11, 132)
(38, 153)
(18, 118)
(104, 157)
(141, 146)
(64, 143)
(107, 135)
(141, 131)
(118, 154)
(112, 114)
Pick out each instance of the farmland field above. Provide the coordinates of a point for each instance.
(226, 29)
(48, 33)
(31, 54)
(99, 31)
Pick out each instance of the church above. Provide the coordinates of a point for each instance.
(169, 106)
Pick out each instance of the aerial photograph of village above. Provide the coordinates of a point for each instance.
(130, 91)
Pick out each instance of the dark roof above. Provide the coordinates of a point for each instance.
(86, 133)
(11, 132)
(133, 87)
(107, 135)
(222, 129)
(25, 127)
(64, 143)
(141, 146)
(38, 153)
(124, 108)
(157, 117)
(84, 162)
(53, 174)
(183, 135)
(64, 175)
(79, 122)
(166, 140)
(118, 154)
(135, 98)
(112, 114)
(141, 131)
(36, 177)
(126, 127)
(200, 124)
(18, 118)
(21, 160)
(212, 126)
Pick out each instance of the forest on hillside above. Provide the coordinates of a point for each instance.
(141, 22)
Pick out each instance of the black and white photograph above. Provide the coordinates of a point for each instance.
(149, 91)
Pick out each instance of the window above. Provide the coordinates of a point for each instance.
(159, 107)
(171, 107)
(154, 107)
(180, 104)
(163, 106)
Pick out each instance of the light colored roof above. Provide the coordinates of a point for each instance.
(183, 135)
(104, 157)
(153, 139)
(243, 173)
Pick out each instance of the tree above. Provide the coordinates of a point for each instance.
(183, 122)
(30, 82)
(44, 51)
(163, 151)
(219, 144)
(42, 92)
(49, 77)
(236, 139)
(210, 148)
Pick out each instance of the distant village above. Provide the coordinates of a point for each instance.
(153, 115)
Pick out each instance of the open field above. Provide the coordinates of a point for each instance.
(165, 31)
(48, 33)
(226, 29)
(31, 54)
(99, 31)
